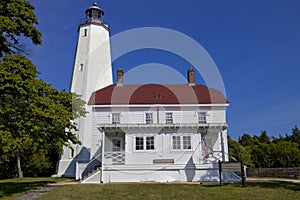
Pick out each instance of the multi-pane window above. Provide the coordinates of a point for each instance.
(169, 118)
(181, 142)
(201, 117)
(176, 142)
(115, 118)
(144, 143)
(186, 141)
(139, 143)
(149, 118)
(150, 143)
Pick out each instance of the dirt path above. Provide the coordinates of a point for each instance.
(37, 193)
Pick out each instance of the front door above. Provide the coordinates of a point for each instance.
(116, 144)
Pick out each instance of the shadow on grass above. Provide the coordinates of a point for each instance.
(275, 185)
(269, 184)
(10, 188)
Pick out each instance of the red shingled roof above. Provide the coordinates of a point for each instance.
(156, 94)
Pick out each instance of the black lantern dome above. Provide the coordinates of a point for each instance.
(94, 14)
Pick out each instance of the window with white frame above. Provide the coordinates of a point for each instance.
(169, 118)
(176, 142)
(139, 143)
(181, 142)
(149, 118)
(186, 142)
(202, 117)
(150, 143)
(115, 118)
(144, 143)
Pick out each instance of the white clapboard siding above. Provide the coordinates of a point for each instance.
(216, 116)
(137, 115)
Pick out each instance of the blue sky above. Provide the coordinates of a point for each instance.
(255, 45)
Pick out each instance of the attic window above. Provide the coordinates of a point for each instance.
(158, 96)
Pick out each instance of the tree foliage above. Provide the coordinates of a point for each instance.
(17, 19)
(262, 151)
(34, 117)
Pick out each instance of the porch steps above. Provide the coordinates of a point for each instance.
(92, 177)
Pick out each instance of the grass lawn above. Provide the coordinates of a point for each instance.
(11, 188)
(258, 190)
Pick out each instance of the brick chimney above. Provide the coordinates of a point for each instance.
(120, 77)
(191, 77)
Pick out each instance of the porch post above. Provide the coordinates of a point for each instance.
(102, 159)
(222, 145)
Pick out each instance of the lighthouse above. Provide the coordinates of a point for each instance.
(92, 67)
(92, 71)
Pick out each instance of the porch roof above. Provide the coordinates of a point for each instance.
(222, 126)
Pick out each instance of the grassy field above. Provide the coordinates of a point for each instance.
(259, 190)
(11, 188)
(253, 190)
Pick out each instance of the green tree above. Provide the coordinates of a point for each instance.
(295, 137)
(33, 115)
(264, 138)
(285, 154)
(246, 140)
(261, 154)
(17, 19)
(239, 153)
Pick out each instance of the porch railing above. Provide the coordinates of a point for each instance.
(114, 158)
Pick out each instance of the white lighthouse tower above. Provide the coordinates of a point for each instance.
(92, 71)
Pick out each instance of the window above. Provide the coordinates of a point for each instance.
(186, 140)
(72, 152)
(81, 67)
(201, 117)
(169, 118)
(139, 143)
(84, 32)
(150, 143)
(144, 143)
(115, 118)
(176, 142)
(149, 118)
(181, 142)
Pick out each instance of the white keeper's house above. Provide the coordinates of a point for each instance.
(140, 133)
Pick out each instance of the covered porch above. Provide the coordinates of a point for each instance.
(113, 148)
